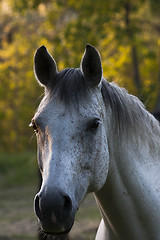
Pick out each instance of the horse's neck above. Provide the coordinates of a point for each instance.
(130, 197)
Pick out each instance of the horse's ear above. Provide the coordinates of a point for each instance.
(91, 65)
(44, 66)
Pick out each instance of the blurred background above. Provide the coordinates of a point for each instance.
(126, 33)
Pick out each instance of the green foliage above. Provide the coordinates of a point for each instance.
(127, 33)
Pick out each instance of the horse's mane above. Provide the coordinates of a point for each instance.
(129, 113)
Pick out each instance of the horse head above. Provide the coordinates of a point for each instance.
(70, 125)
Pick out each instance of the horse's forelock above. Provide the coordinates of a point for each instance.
(69, 86)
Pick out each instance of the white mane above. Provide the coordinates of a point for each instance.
(129, 113)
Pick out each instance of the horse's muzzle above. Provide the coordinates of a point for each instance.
(55, 212)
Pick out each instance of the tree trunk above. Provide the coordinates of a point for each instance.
(129, 32)
(136, 76)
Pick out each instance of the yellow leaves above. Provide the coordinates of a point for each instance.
(4, 5)
(42, 9)
(6, 51)
(115, 59)
(124, 55)
(12, 85)
(29, 74)
(147, 83)
(61, 65)
(9, 113)
(45, 42)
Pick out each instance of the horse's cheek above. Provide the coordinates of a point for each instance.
(100, 166)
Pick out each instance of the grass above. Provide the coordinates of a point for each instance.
(17, 169)
(18, 185)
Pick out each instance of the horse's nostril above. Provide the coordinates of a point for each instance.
(67, 207)
(37, 207)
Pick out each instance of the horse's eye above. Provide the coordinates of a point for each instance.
(94, 124)
(34, 126)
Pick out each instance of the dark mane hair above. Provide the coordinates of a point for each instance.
(69, 86)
